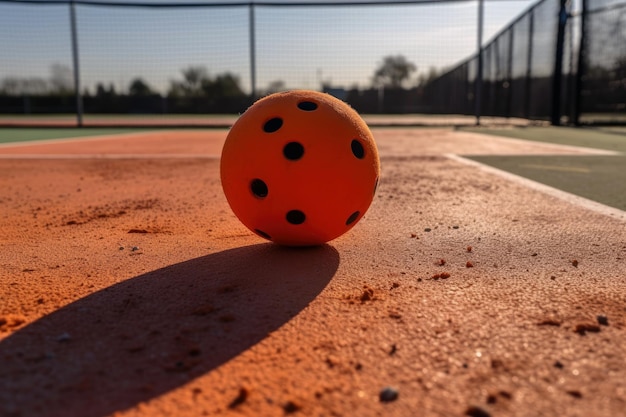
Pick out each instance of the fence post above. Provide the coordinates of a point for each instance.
(557, 75)
(478, 86)
(75, 59)
(509, 71)
(251, 29)
(529, 64)
(580, 70)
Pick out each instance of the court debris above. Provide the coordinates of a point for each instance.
(388, 394)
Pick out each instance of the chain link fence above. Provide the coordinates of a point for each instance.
(602, 67)
(559, 61)
(553, 63)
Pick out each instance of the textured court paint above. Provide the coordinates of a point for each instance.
(129, 288)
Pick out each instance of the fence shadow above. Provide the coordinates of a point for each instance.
(150, 334)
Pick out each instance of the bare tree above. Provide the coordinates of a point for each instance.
(23, 86)
(193, 77)
(393, 71)
(138, 87)
(222, 86)
(61, 79)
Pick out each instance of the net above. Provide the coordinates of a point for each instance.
(603, 82)
(36, 70)
(381, 57)
(340, 49)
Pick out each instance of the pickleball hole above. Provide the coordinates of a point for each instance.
(357, 149)
(307, 105)
(272, 125)
(259, 188)
(352, 218)
(293, 151)
(295, 217)
(262, 234)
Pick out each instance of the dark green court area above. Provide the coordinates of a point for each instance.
(29, 134)
(601, 178)
(609, 138)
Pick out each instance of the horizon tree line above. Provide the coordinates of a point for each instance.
(393, 72)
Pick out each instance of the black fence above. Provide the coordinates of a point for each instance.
(559, 62)
(602, 66)
(552, 63)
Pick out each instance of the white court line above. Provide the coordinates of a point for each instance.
(546, 189)
(107, 156)
(78, 139)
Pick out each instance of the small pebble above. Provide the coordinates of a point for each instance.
(474, 411)
(134, 248)
(575, 393)
(239, 399)
(603, 320)
(584, 328)
(388, 394)
(291, 407)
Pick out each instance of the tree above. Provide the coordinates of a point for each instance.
(102, 91)
(191, 85)
(139, 87)
(193, 77)
(24, 86)
(393, 71)
(61, 79)
(223, 86)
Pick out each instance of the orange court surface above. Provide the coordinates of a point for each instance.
(129, 288)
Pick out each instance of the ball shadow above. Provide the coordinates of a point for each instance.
(150, 334)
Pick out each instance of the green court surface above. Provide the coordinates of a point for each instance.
(612, 139)
(601, 178)
(29, 134)
(618, 130)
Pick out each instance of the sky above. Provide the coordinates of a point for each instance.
(301, 47)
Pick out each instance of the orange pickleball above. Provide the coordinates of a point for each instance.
(299, 168)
